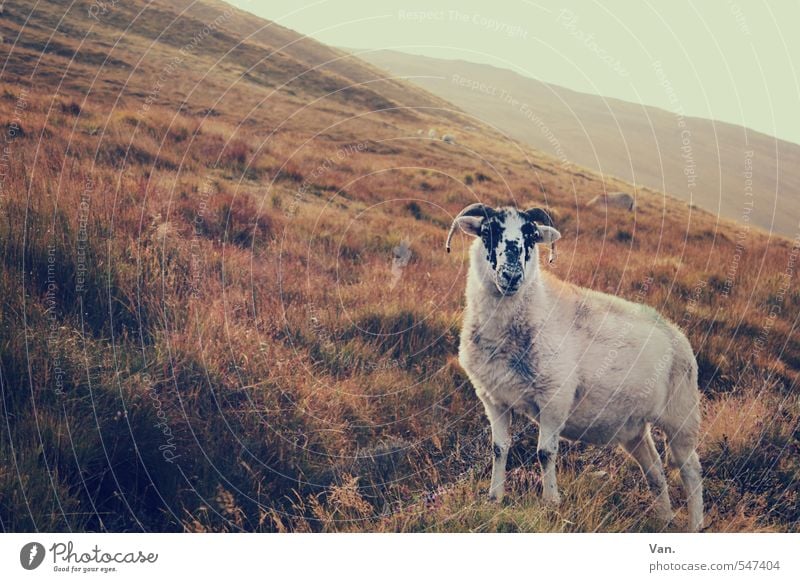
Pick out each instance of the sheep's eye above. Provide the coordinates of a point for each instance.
(531, 234)
(491, 233)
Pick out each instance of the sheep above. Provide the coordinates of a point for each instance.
(614, 199)
(432, 133)
(447, 138)
(583, 365)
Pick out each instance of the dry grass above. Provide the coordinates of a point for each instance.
(250, 350)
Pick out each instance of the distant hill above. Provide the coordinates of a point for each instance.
(643, 145)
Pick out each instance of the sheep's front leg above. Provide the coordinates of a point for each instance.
(500, 420)
(550, 426)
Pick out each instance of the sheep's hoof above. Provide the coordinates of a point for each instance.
(495, 498)
(665, 515)
(552, 499)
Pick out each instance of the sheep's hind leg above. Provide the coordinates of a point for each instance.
(684, 455)
(644, 451)
(500, 420)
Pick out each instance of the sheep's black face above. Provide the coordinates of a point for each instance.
(508, 242)
(509, 238)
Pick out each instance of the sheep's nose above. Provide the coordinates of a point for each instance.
(511, 279)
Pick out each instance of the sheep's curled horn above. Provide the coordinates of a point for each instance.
(476, 209)
(541, 216)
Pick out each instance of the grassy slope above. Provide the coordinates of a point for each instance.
(248, 352)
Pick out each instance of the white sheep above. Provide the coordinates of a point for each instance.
(583, 365)
(432, 133)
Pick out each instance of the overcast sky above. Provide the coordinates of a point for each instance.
(733, 61)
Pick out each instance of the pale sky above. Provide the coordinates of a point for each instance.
(727, 60)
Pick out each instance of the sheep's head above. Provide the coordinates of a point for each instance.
(509, 238)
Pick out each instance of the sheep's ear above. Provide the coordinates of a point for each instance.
(469, 221)
(548, 234)
(470, 225)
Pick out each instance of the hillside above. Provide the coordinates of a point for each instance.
(697, 160)
(226, 304)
